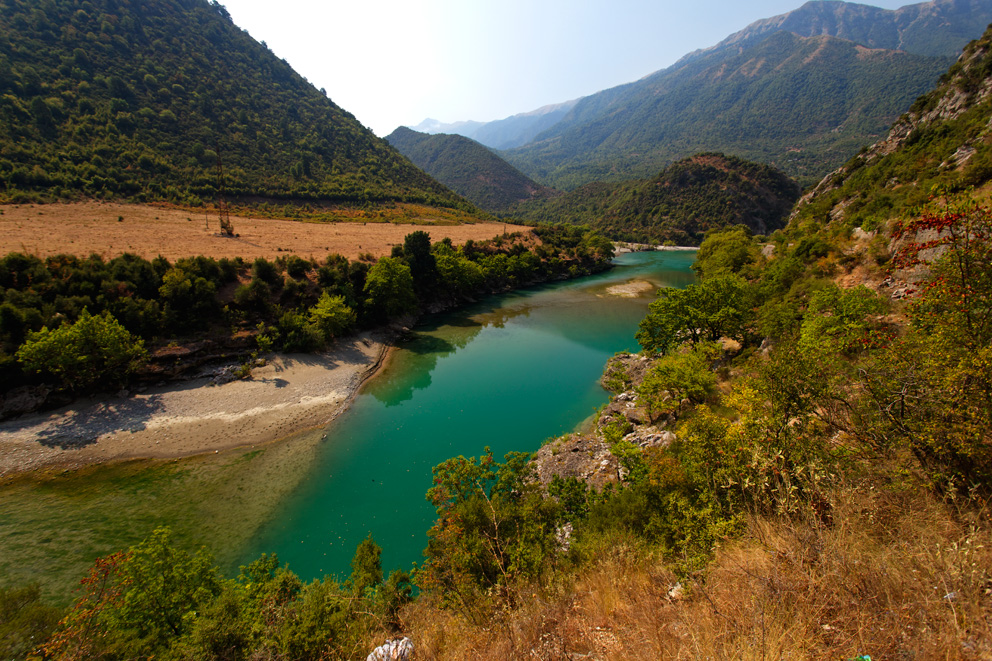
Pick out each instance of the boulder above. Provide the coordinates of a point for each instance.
(396, 649)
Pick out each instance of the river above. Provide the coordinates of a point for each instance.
(507, 373)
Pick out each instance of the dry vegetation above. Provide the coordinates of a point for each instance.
(113, 229)
(894, 575)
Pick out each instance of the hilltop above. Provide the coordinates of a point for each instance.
(170, 101)
(680, 204)
(801, 91)
(468, 168)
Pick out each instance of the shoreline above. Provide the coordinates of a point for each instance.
(290, 394)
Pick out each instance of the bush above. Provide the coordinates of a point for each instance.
(94, 351)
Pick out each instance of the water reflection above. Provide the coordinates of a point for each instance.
(506, 373)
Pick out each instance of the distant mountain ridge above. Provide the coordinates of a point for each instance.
(802, 104)
(505, 133)
(854, 92)
(468, 168)
(938, 28)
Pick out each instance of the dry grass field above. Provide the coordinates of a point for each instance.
(112, 229)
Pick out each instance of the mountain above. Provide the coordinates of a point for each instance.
(169, 100)
(941, 144)
(468, 168)
(791, 91)
(680, 204)
(505, 133)
(938, 28)
(433, 126)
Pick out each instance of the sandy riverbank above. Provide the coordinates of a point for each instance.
(291, 393)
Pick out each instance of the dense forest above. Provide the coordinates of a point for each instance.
(72, 325)
(169, 100)
(679, 205)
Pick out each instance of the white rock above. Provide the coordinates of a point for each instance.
(397, 649)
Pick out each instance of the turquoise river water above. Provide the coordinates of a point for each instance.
(507, 373)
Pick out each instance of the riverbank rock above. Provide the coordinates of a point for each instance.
(584, 457)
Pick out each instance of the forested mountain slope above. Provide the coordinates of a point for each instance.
(802, 104)
(941, 145)
(801, 91)
(468, 168)
(143, 100)
(680, 204)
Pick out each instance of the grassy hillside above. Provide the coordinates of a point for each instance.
(468, 168)
(107, 98)
(801, 104)
(680, 204)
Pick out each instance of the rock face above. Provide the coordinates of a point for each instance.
(587, 456)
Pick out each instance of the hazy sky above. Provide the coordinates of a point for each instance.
(398, 62)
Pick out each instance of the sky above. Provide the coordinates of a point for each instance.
(395, 63)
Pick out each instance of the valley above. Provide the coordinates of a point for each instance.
(418, 389)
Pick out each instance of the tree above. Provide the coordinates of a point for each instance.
(725, 251)
(330, 317)
(423, 267)
(719, 306)
(366, 567)
(389, 289)
(839, 320)
(95, 350)
(680, 376)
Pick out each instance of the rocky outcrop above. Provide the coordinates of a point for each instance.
(587, 456)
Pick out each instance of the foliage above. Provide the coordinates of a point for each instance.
(94, 350)
(172, 101)
(494, 528)
(389, 289)
(840, 321)
(725, 251)
(330, 317)
(679, 379)
(289, 304)
(158, 601)
(719, 306)
(680, 204)
(25, 621)
(468, 168)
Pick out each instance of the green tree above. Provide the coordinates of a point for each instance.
(330, 317)
(678, 379)
(95, 350)
(423, 267)
(722, 305)
(840, 320)
(366, 567)
(725, 251)
(389, 289)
